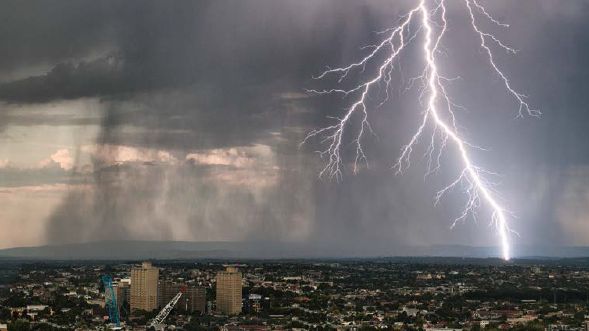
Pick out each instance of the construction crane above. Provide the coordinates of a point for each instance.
(161, 316)
(110, 302)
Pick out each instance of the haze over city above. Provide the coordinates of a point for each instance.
(126, 121)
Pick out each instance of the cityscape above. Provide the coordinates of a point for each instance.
(371, 294)
(293, 165)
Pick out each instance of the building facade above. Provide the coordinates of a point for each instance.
(193, 298)
(229, 291)
(123, 292)
(144, 287)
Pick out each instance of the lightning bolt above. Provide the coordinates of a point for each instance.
(438, 108)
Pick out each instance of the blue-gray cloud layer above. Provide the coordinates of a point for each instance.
(202, 75)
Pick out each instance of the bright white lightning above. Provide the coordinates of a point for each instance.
(438, 110)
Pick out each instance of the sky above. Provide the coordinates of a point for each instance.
(150, 120)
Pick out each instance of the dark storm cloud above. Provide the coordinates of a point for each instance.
(228, 60)
(193, 76)
(48, 32)
(71, 81)
(225, 44)
(194, 118)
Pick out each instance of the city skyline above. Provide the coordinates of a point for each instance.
(372, 294)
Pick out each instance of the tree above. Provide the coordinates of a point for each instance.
(194, 325)
(5, 313)
(19, 325)
(44, 327)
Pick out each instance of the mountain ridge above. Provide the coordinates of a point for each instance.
(163, 250)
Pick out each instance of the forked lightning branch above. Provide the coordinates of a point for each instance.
(437, 113)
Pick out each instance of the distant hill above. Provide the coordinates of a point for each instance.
(136, 250)
(130, 250)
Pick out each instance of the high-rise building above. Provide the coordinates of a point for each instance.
(193, 298)
(123, 292)
(144, 281)
(229, 291)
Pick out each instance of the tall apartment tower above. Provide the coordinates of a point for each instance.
(193, 298)
(123, 292)
(229, 291)
(144, 281)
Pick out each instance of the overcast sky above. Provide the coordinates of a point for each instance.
(182, 121)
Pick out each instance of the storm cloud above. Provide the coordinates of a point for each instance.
(182, 121)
